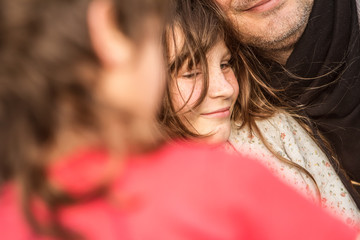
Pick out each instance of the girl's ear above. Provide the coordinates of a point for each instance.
(111, 46)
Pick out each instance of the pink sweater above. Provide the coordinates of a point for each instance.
(178, 192)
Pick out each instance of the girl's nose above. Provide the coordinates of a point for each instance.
(219, 86)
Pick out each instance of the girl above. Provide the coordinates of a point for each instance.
(203, 101)
(80, 86)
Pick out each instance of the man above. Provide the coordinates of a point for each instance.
(318, 42)
(272, 25)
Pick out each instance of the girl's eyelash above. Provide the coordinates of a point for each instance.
(191, 74)
(225, 64)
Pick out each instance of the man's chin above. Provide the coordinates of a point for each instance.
(278, 31)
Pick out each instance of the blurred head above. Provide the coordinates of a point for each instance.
(272, 24)
(69, 65)
(131, 77)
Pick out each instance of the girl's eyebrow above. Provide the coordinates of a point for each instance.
(226, 54)
(186, 68)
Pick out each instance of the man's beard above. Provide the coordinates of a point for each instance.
(286, 31)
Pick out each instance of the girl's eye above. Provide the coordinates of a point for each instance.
(191, 75)
(225, 65)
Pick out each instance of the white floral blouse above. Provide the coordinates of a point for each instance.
(290, 140)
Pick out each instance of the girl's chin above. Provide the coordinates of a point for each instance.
(220, 136)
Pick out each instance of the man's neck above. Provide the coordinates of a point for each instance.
(281, 51)
(279, 56)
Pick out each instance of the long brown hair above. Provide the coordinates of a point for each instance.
(47, 75)
(202, 24)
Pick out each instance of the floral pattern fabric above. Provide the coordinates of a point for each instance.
(288, 139)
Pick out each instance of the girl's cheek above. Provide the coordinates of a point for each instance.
(186, 93)
(230, 76)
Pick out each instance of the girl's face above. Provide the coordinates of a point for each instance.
(212, 116)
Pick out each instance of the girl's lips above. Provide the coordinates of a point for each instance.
(262, 6)
(221, 113)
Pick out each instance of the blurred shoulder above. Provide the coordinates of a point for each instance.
(194, 155)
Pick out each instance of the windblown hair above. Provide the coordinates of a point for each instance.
(47, 75)
(202, 25)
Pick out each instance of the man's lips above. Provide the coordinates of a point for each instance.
(223, 112)
(251, 6)
(259, 6)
